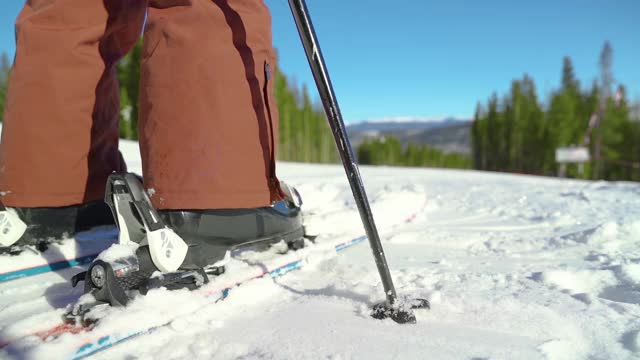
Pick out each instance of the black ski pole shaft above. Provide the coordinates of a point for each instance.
(325, 89)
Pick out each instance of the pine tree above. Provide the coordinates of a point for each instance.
(5, 68)
(616, 140)
(606, 72)
(569, 82)
(494, 133)
(533, 130)
(606, 81)
(129, 78)
(477, 138)
(515, 126)
(566, 117)
(634, 150)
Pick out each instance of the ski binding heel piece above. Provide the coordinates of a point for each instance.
(139, 222)
(11, 227)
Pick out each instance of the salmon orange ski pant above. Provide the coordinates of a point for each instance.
(208, 122)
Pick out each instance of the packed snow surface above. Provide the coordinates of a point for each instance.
(515, 267)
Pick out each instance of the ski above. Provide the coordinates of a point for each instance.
(91, 340)
(95, 345)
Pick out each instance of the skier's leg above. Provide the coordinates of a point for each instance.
(208, 129)
(60, 131)
(208, 124)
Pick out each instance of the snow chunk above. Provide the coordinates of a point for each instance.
(118, 251)
(560, 350)
(631, 273)
(608, 232)
(634, 230)
(582, 281)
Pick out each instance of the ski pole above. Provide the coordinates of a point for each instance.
(334, 116)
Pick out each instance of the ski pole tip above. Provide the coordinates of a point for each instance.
(400, 312)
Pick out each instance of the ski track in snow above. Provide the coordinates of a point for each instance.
(515, 267)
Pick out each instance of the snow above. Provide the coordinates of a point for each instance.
(515, 267)
(151, 192)
(117, 252)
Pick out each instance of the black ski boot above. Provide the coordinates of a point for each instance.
(211, 234)
(179, 248)
(38, 227)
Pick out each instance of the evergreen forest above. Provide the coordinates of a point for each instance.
(517, 132)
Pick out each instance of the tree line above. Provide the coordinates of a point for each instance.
(5, 68)
(304, 131)
(517, 133)
(388, 150)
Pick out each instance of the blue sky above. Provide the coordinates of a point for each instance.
(437, 58)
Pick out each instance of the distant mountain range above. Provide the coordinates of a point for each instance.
(449, 134)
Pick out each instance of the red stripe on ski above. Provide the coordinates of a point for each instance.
(55, 331)
(61, 329)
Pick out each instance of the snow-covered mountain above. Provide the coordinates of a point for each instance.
(404, 123)
(448, 133)
(516, 267)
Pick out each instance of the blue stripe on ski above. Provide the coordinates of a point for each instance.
(63, 264)
(285, 269)
(102, 234)
(108, 341)
(104, 343)
(351, 243)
